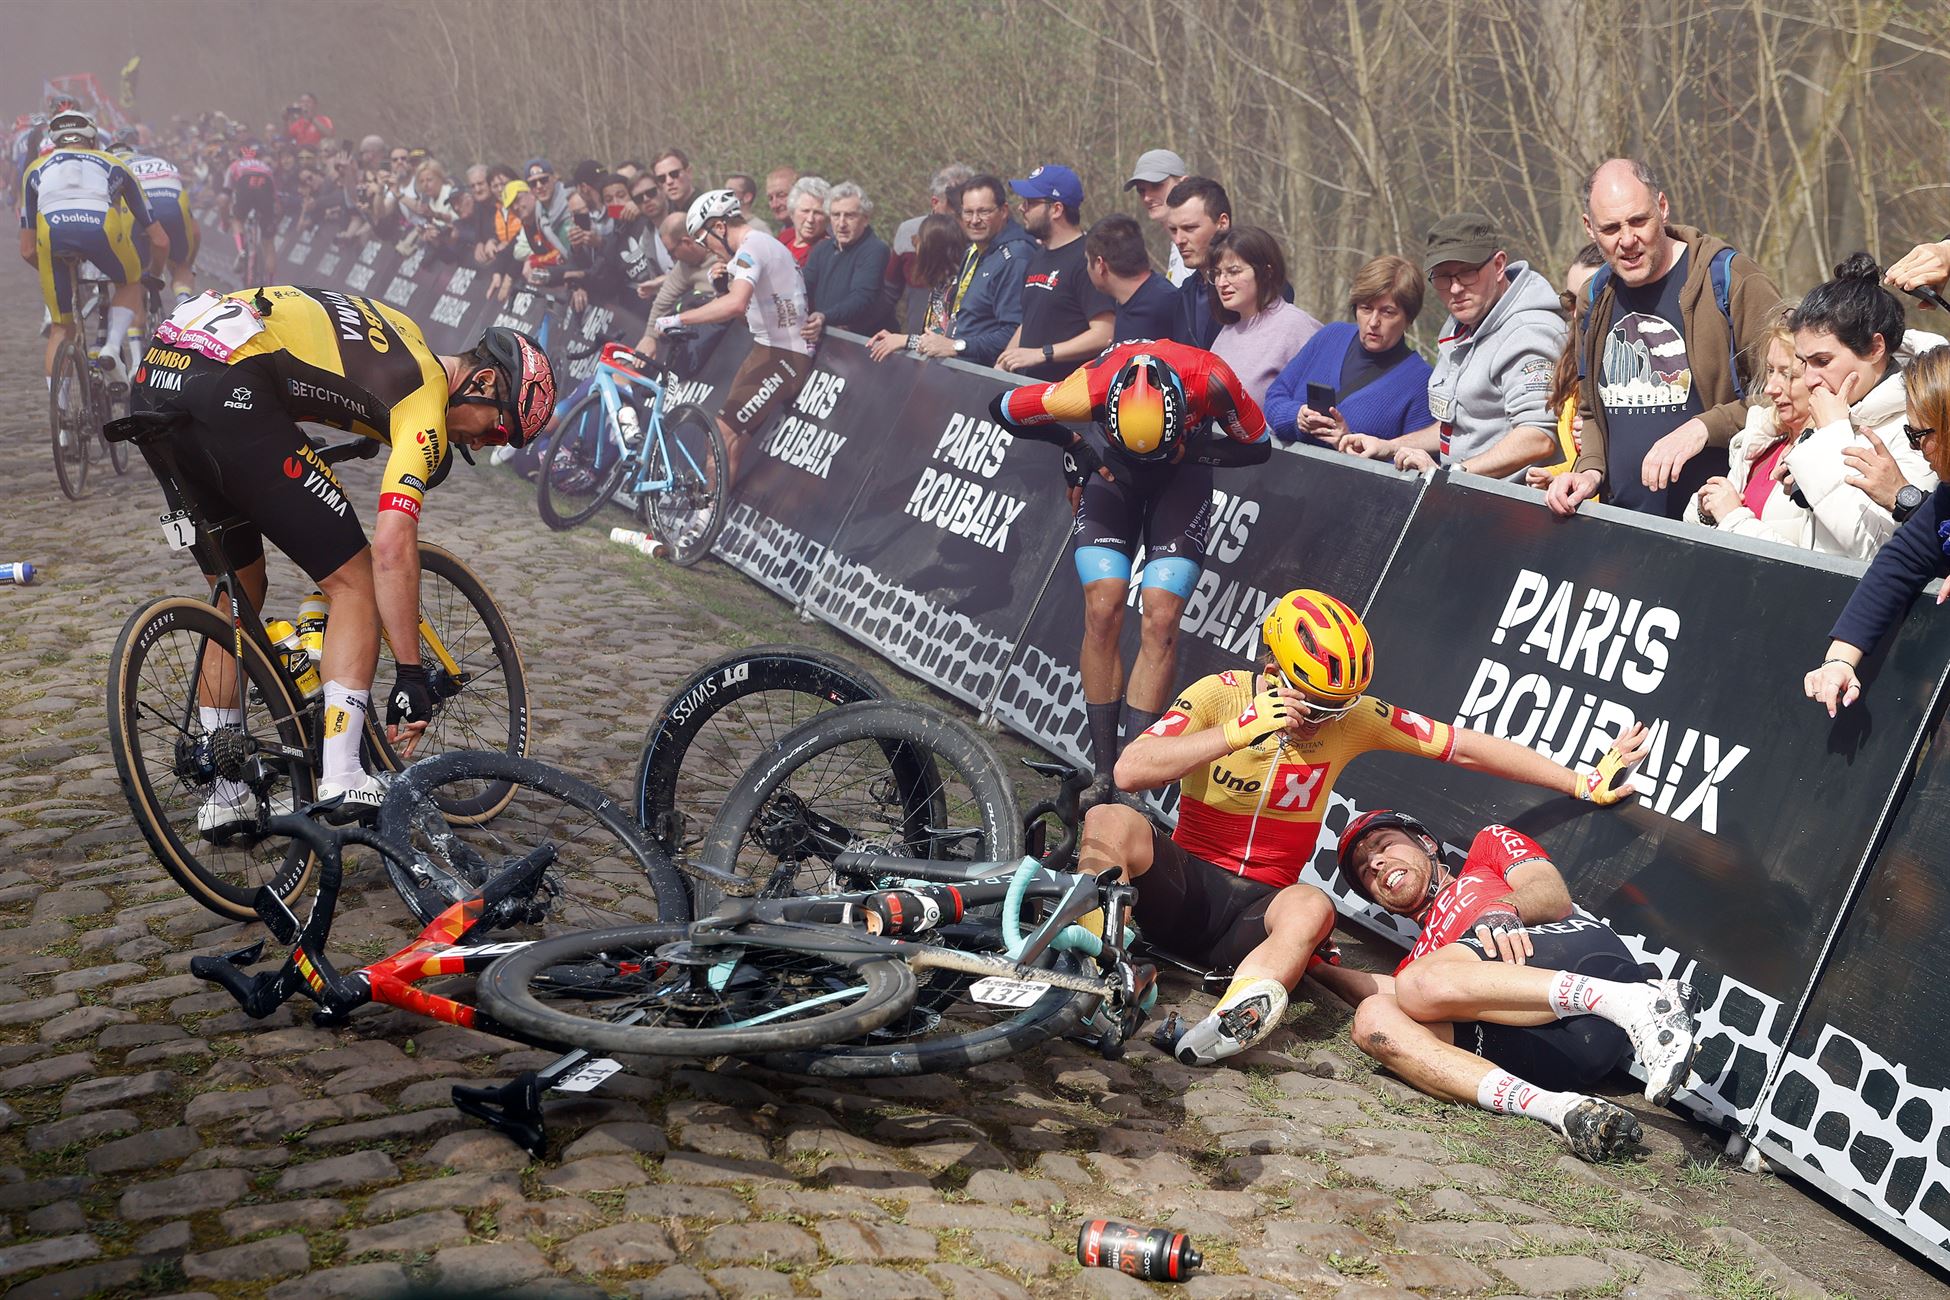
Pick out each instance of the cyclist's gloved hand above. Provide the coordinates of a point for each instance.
(411, 699)
(1264, 716)
(1610, 781)
(1080, 461)
(1500, 929)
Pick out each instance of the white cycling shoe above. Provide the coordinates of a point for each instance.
(224, 813)
(113, 369)
(350, 798)
(1666, 1039)
(1234, 1026)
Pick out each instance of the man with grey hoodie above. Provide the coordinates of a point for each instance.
(1490, 392)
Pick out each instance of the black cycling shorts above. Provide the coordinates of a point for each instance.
(242, 456)
(261, 199)
(1200, 913)
(1168, 508)
(1567, 1055)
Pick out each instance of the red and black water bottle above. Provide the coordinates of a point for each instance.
(1147, 1254)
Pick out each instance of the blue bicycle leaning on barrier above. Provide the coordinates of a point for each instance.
(620, 438)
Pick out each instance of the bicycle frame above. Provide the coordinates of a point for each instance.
(611, 379)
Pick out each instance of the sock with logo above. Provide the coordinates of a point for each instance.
(345, 720)
(1103, 737)
(1138, 721)
(1506, 1094)
(1584, 995)
(119, 321)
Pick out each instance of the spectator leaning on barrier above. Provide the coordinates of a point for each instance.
(1490, 388)
(1198, 211)
(1157, 171)
(1751, 500)
(1910, 559)
(1381, 384)
(937, 257)
(846, 274)
(1564, 375)
(806, 208)
(627, 257)
(1065, 318)
(987, 303)
(1259, 331)
(688, 283)
(1147, 305)
(1666, 292)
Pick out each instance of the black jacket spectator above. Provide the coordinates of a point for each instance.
(1900, 569)
(845, 285)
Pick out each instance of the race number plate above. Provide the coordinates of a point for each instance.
(1000, 991)
(211, 326)
(179, 530)
(591, 1074)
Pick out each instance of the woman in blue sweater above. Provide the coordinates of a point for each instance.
(1919, 551)
(1381, 386)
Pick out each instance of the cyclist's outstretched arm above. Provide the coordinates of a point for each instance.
(729, 307)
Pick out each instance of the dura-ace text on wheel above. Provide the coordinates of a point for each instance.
(722, 717)
(169, 758)
(604, 873)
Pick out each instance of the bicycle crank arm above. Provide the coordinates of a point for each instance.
(969, 963)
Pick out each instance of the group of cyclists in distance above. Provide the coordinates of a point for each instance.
(1511, 998)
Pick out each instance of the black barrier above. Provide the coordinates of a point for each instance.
(1861, 1103)
(939, 564)
(799, 480)
(1304, 519)
(1498, 615)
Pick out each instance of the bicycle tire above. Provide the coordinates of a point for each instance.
(561, 454)
(788, 798)
(205, 873)
(689, 764)
(630, 964)
(691, 456)
(73, 424)
(603, 862)
(487, 710)
(889, 1053)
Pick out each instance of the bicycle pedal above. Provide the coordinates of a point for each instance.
(249, 956)
(1165, 1037)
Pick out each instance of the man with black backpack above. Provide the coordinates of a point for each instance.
(1661, 334)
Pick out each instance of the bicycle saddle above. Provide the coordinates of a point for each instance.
(144, 426)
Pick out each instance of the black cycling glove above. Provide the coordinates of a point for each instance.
(412, 698)
(1080, 461)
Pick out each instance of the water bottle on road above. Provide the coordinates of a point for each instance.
(20, 572)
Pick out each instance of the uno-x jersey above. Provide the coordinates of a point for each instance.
(1257, 810)
(358, 365)
(1485, 878)
(1212, 391)
(79, 185)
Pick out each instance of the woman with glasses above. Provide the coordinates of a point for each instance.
(1910, 558)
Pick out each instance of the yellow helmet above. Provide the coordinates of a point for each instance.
(1320, 647)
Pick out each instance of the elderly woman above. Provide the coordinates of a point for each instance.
(1911, 558)
(846, 275)
(806, 208)
(1380, 384)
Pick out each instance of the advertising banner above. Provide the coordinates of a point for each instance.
(801, 476)
(1304, 519)
(939, 564)
(1498, 616)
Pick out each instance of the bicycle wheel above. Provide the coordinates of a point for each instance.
(948, 1029)
(605, 873)
(474, 668)
(733, 707)
(902, 778)
(70, 415)
(569, 488)
(686, 515)
(169, 759)
(692, 999)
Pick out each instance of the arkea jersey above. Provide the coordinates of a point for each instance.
(249, 175)
(1257, 811)
(358, 365)
(1212, 391)
(1485, 879)
(74, 184)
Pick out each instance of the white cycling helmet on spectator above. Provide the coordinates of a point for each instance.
(72, 127)
(712, 205)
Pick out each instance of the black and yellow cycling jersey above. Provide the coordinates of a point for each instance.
(358, 365)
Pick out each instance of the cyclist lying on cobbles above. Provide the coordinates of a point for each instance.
(1256, 754)
(1510, 997)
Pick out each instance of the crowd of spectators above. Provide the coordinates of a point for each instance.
(1662, 371)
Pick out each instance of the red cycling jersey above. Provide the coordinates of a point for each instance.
(1485, 879)
(249, 174)
(1212, 391)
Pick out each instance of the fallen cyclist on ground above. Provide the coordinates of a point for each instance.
(1510, 998)
(1256, 754)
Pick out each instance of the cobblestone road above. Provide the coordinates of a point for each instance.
(153, 1142)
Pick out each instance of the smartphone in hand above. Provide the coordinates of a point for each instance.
(1320, 397)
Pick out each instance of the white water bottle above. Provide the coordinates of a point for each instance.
(639, 541)
(627, 423)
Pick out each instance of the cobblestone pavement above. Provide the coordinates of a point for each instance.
(154, 1142)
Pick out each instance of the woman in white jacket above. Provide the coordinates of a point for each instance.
(1850, 475)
